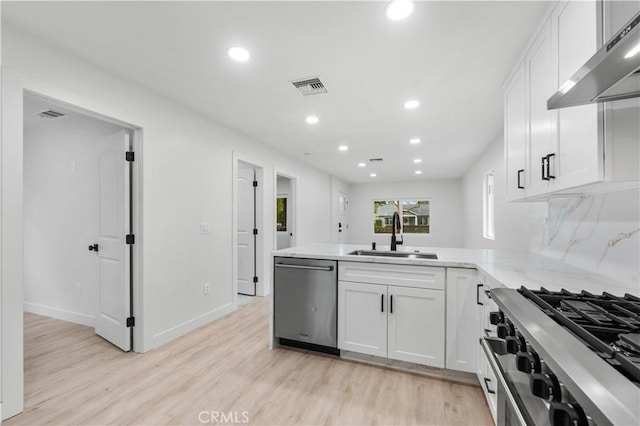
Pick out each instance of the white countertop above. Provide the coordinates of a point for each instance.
(511, 268)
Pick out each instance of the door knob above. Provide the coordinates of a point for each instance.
(93, 247)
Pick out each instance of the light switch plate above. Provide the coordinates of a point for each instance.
(205, 228)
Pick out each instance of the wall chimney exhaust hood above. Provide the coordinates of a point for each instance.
(612, 73)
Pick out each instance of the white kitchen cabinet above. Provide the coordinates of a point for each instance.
(541, 123)
(515, 134)
(415, 325)
(462, 293)
(362, 318)
(485, 374)
(554, 152)
(392, 311)
(402, 323)
(578, 159)
(622, 130)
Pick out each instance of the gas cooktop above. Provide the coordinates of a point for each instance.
(609, 325)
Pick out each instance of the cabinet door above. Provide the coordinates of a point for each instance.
(480, 328)
(622, 130)
(362, 318)
(416, 325)
(579, 159)
(462, 311)
(541, 124)
(515, 134)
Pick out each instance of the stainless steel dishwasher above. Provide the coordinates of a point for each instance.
(306, 302)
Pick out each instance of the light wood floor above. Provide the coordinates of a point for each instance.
(74, 377)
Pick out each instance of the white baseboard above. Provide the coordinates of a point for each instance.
(440, 373)
(61, 314)
(168, 335)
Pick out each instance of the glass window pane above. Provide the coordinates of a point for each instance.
(281, 214)
(414, 213)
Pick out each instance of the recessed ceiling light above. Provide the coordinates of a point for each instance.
(312, 119)
(414, 141)
(373, 175)
(362, 164)
(418, 172)
(417, 160)
(239, 54)
(412, 104)
(343, 148)
(399, 9)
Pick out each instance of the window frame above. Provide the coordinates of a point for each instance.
(414, 218)
(489, 205)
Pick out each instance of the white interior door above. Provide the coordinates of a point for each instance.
(246, 239)
(343, 227)
(113, 251)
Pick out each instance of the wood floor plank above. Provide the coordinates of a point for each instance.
(225, 368)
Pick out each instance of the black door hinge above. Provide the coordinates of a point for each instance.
(131, 322)
(255, 279)
(255, 183)
(255, 232)
(130, 239)
(129, 156)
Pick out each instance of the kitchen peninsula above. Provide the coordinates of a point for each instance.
(419, 314)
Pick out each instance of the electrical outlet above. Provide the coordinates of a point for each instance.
(74, 167)
(205, 228)
(207, 288)
(79, 289)
(29, 227)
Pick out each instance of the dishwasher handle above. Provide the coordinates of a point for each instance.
(312, 268)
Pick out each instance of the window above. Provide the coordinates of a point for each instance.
(414, 214)
(488, 226)
(281, 214)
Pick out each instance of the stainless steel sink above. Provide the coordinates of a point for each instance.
(402, 254)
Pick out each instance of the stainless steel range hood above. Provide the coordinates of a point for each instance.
(612, 73)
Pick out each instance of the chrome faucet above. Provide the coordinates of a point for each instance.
(395, 224)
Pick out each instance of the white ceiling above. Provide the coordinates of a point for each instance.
(452, 56)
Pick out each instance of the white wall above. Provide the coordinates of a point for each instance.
(61, 216)
(445, 211)
(186, 163)
(513, 221)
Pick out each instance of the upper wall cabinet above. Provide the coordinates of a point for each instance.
(577, 159)
(621, 118)
(515, 122)
(551, 151)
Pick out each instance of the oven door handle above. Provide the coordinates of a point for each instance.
(503, 386)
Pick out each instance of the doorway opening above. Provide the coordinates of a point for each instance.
(249, 229)
(79, 214)
(285, 211)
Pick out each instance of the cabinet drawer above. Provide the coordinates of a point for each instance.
(399, 275)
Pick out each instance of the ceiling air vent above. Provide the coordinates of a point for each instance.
(375, 159)
(50, 114)
(310, 86)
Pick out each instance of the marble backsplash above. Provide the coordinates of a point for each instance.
(600, 233)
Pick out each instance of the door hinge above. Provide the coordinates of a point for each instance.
(255, 279)
(129, 156)
(255, 183)
(131, 322)
(255, 232)
(130, 239)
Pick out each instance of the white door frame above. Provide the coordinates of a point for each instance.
(291, 207)
(261, 286)
(136, 192)
(15, 86)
